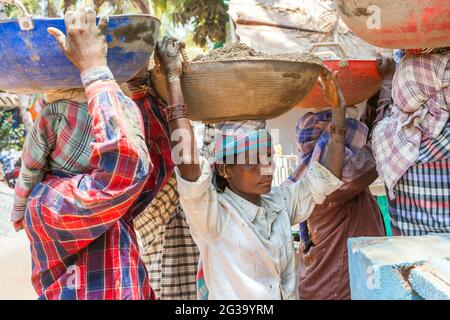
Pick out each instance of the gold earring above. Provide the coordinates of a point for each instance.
(225, 171)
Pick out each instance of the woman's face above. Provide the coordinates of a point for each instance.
(251, 178)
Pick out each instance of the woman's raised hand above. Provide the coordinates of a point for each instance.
(168, 51)
(328, 84)
(85, 43)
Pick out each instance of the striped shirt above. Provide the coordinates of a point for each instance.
(422, 202)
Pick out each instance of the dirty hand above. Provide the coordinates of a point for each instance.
(169, 56)
(85, 44)
(328, 84)
(386, 67)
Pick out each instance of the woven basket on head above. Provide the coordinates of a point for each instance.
(242, 89)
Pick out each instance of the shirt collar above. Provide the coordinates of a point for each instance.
(246, 208)
(250, 210)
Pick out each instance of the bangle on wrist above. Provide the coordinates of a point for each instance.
(176, 111)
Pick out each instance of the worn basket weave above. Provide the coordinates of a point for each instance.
(242, 89)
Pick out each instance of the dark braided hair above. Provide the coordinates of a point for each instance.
(219, 182)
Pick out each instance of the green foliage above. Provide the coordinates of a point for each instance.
(32, 6)
(56, 8)
(209, 17)
(10, 138)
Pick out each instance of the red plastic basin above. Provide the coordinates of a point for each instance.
(358, 81)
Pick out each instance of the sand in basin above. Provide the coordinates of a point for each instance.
(240, 51)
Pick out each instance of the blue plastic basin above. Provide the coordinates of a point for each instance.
(31, 61)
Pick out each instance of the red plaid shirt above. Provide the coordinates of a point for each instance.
(82, 240)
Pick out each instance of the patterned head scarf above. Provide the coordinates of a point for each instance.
(421, 95)
(312, 140)
(236, 137)
(313, 137)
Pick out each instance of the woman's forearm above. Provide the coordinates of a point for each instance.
(335, 151)
(183, 141)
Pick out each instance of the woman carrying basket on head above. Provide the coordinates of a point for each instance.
(241, 224)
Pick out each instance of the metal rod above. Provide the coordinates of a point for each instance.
(281, 26)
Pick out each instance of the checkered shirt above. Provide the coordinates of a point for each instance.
(170, 254)
(421, 95)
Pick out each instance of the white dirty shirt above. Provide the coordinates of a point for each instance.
(248, 251)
